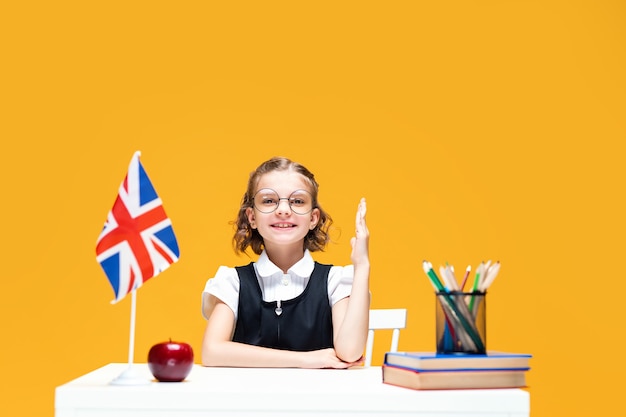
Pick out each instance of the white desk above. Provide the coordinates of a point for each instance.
(275, 392)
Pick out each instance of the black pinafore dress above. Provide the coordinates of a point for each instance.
(303, 323)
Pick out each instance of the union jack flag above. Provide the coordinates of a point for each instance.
(137, 241)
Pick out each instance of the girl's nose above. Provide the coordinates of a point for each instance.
(283, 206)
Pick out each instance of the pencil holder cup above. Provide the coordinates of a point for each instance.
(460, 320)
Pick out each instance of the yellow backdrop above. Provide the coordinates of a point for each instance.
(476, 130)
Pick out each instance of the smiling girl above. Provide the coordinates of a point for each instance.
(285, 309)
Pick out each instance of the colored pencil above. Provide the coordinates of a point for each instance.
(467, 272)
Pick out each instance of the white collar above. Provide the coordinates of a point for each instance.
(303, 268)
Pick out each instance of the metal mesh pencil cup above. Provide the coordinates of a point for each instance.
(461, 322)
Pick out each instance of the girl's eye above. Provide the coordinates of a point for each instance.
(268, 201)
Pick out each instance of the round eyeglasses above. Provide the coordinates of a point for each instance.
(267, 201)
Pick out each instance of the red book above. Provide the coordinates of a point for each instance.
(432, 380)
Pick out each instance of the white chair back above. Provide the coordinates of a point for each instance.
(390, 319)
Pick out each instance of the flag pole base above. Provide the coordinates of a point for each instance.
(130, 377)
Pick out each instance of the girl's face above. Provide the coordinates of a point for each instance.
(283, 226)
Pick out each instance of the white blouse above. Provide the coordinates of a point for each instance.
(275, 285)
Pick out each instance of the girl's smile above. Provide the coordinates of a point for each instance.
(283, 225)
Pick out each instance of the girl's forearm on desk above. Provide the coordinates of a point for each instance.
(228, 353)
(234, 354)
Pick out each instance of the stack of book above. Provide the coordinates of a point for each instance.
(429, 370)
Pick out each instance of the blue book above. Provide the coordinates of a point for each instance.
(435, 362)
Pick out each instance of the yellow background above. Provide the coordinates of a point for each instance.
(476, 129)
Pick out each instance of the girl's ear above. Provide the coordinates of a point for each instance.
(251, 218)
(315, 218)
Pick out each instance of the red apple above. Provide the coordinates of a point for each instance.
(170, 361)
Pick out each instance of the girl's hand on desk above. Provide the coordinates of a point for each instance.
(360, 242)
(325, 358)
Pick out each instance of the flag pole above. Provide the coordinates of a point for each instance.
(130, 376)
(131, 336)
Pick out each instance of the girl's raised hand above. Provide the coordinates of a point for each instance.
(360, 242)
